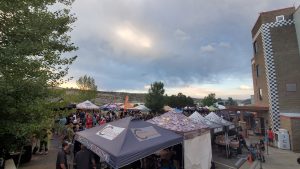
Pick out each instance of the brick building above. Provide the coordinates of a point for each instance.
(276, 70)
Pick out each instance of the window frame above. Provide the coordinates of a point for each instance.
(260, 94)
(291, 86)
(278, 18)
(257, 70)
(255, 47)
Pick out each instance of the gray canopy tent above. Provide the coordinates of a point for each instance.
(125, 141)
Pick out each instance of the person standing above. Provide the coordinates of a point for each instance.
(61, 160)
(270, 137)
(89, 121)
(84, 159)
(69, 133)
(44, 142)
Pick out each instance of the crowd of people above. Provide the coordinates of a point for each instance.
(81, 157)
(166, 159)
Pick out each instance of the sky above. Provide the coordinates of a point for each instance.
(195, 47)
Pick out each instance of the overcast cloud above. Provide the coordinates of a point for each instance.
(193, 46)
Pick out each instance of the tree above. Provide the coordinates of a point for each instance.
(32, 41)
(155, 97)
(209, 100)
(88, 88)
(86, 83)
(231, 102)
(179, 101)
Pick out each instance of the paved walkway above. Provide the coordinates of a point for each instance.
(278, 158)
(44, 161)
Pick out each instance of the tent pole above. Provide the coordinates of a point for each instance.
(182, 154)
(226, 144)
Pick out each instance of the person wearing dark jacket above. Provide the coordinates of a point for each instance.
(61, 161)
(84, 159)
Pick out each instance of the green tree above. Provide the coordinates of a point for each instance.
(155, 97)
(179, 101)
(231, 102)
(190, 101)
(209, 100)
(87, 88)
(33, 39)
(86, 83)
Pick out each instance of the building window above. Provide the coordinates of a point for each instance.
(291, 87)
(255, 47)
(257, 70)
(279, 18)
(260, 94)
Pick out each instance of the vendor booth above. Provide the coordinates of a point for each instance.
(125, 141)
(87, 105)
(219, 120)
(197, 139)
(223, 140)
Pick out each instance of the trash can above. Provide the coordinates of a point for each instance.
(283, 139)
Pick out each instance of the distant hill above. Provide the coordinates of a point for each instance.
(104, 97)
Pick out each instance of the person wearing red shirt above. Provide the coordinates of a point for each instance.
(89, 121)
(102, 121)
(270, 137)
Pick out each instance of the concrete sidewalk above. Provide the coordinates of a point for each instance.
(44, 161)
(275, 158)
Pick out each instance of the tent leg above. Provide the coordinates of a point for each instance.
(226, 144)
(182, 154)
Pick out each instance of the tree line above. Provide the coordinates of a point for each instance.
(156, 99)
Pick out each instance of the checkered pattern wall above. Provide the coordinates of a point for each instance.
(270, 69)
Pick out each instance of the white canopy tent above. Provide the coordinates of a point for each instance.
(220, 107)
(87, 105)
(217, 119)
(228, 126)
(142, 108)
(198, 118)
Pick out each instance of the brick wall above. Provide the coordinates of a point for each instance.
(293, 127)
(287, 63)
(260, 82)
(270, 16)
(296, 134)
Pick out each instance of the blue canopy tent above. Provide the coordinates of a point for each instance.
(125, 141)
(177, 110)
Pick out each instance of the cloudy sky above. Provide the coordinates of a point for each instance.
(194, 46)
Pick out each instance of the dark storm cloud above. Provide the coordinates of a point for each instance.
(185, 41)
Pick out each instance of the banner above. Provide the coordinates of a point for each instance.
(145, 133)
(110, 132)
